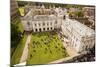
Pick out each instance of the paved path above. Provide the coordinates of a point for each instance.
(25, 51)
(63, 59)
(70, 50)
(20, 64)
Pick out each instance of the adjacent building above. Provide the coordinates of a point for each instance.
(89, 12)
(79, 36)
(14, 9)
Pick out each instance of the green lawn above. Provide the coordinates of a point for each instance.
(44, 48)
(21, 10)
(20, 26)
(18, 52)
(16, 23)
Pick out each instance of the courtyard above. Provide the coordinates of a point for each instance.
(36, 35)
(45, 47)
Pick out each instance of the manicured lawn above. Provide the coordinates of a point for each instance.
(20, 26)
(44, 48)
(18, 52)
(21, 10)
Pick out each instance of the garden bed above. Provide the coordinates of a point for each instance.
(45, 47)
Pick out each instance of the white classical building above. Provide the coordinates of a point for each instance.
(42, 19)
(44, 23)
(80, 36)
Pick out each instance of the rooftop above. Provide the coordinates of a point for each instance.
(80, 28)
(44, 17)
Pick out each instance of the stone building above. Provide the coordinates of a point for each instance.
(43, 19)
(44, 23)
(14, 9)
(80, 36)
(89, 12)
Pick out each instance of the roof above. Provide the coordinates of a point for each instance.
(44, 17)
(80, 28)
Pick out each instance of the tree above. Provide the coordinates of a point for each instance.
(79, 14)
(15, 35)
(22, 3)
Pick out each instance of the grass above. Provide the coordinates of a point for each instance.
(45, 47)
(18, 52)
(21, 10)
(20, 26)
(18, 23)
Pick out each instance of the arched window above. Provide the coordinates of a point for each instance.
(36, 30)
(40, 29)
(43, 29)
(51, 28)
(47, 28)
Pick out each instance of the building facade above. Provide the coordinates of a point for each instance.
(80, 37)
(89, 12)
(42, 19)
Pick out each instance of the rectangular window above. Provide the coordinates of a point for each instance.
(39, 24)
(51, 23)
(43, 23)
(43, 29)
(55, 22)
(35, 25)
